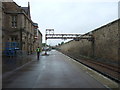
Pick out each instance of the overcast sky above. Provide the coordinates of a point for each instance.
(71, 16)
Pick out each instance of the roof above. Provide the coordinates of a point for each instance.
(39, 32)
(25, 9)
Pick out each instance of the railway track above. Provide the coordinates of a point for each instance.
(109, 71)
(110, 67)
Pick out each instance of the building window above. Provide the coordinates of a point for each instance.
(14, 38)
(14, 21)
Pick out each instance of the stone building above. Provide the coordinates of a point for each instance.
(0, 28)
(38, 37)
(17, 26)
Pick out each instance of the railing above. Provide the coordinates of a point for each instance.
(11, 48)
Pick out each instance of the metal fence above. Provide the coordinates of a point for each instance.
(11, 48)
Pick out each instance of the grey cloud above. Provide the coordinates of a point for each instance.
(67, 17)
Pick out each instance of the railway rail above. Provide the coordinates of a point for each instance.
(109, 71)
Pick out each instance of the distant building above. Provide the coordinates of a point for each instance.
(39, 39)
(17, 26)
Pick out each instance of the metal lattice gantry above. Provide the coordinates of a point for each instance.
(62, 36)
(50, 35)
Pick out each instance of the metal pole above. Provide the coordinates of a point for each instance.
(47, 31)
(45, 45)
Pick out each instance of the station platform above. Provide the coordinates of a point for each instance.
(56, 70)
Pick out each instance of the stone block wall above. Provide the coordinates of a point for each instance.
(107, 42)
(105, 47)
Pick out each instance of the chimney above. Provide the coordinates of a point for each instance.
(29, 9)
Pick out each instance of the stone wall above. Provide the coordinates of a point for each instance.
(105, 47)
(107, 42)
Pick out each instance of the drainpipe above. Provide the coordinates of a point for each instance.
(21, 38)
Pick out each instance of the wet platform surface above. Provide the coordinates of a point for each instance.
(53, 71)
